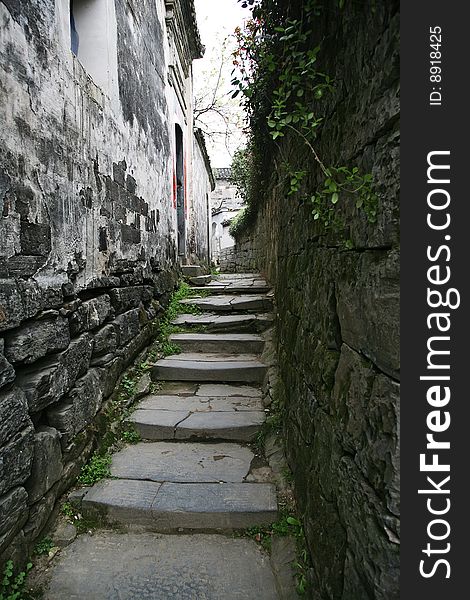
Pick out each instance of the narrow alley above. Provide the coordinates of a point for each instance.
(199, 300)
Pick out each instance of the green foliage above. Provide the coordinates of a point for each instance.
(12, 585)
(290, 525)
(240, 222)
(44, 546)
(131, 436)
(284, 90)
(340, 183)
(240, 170)
(164, 326)
(96, 469)
(68, 510)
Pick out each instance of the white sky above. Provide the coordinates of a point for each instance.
(217, 20)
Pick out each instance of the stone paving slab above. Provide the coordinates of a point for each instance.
(237, 276)
(210, 506)
(239, 426)
(219, 342)
(201, 403)
(231, 303)
(233, 288)
(183, 463)
(157, 424)
(174, 403)
(222, 389)
(227, 323)
(215, 368)
(172, 506)
(110, 566)
(213, 357)
(168, 425)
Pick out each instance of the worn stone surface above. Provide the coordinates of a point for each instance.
(40, 513)
(174, 506)
(36, 339)
(227, 343)
(206, 368)
(18, 301)
(221, 389)
(231, 303)
(191, 462)
(13, 514)
(205, 424)
(7, 372)
(124, 299)
(64, 534)
(283, 558)
(239, 426)
(90, 314)
(57, 375)
(16, 458)
(47, 463)
(227, 323)
(78, 408)
(105, 341)
(128, 325)
(13, 414)
(164, 568)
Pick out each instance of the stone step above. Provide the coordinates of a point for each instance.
(192, 270)
(232, 288)
(138, 566)
(238, 276)
(170, 506)
(198, 417)
(218, 342)
(191, 462)
(232, 303)
(200, 280)
(209, 367)
(209, 322)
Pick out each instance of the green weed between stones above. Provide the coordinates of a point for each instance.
(12, 585)
(44, 546)
(96, 469)
(288, 525)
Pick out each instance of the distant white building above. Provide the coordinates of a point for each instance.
(226, 204)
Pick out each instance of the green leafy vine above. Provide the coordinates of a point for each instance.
(275, 70)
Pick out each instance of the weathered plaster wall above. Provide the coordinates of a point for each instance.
(226, 204)
(87, 236)
(338, 320)
(202, 185)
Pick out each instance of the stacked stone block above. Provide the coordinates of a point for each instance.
(62, 352)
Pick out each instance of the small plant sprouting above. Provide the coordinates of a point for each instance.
(44, 546)
(96, 469)
(131, 436)
(12, 585)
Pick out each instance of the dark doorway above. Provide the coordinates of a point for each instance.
(180, 200)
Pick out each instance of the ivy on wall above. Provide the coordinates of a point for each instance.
(276, 73)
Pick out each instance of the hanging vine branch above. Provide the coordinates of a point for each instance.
(276, 73)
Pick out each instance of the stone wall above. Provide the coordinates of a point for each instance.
(87, 230)
(338, 318)
(241, 258)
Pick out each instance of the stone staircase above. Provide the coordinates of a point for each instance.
(194, 472)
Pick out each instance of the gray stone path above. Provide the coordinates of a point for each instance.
(111, 566)
(192, 473)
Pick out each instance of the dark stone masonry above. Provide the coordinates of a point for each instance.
(338, 322)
